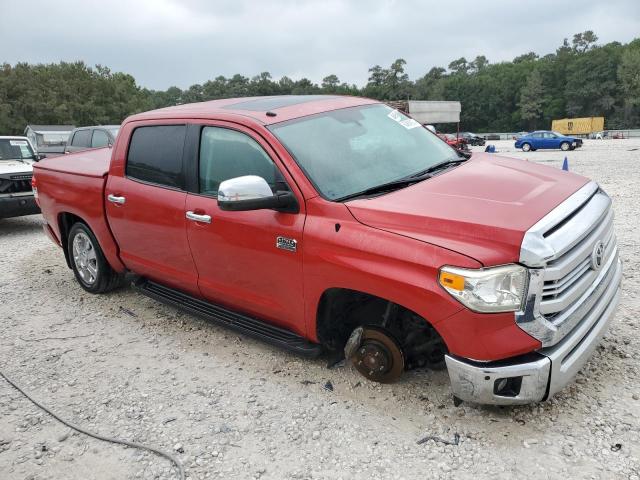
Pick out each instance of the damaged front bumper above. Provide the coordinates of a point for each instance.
(539, 375)
(18, 204)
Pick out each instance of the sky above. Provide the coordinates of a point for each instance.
(170, 42)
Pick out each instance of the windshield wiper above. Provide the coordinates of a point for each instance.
(404, 182)
(386, 187)
(439, 166)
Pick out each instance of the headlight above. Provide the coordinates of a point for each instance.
(496, 289)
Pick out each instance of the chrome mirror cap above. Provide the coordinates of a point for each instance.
(249, 187)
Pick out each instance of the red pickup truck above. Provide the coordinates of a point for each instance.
(329, 223)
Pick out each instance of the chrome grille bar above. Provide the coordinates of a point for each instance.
(568, 279)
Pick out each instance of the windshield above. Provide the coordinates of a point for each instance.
(15, 149)
(344, 152)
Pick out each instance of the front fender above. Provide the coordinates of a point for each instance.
(340, 252)
(358, 257)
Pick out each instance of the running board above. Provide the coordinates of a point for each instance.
(215, 313)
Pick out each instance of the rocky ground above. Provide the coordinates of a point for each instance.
(234, 408)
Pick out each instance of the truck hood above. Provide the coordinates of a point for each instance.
(14, 166)
(481, 209)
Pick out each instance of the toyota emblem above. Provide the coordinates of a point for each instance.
(597, 256)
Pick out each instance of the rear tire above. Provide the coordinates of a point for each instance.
(526, 147)
(565, 146)
(90, 267)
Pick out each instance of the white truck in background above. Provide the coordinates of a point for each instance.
(17, 157)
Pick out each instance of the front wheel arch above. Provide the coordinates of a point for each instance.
(340, 311)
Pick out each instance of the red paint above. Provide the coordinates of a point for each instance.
(390, 246)
(481, 208)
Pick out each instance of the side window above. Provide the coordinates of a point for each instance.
(155, 155)
(100, 139)
(226, 154)
(81, 138)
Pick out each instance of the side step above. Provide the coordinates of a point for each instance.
(243, 323)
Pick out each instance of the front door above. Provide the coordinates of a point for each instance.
(146, 208)
(240, 262)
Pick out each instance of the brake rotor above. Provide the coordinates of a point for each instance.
(378, 357)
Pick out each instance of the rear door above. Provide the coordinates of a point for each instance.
(81, 140)
(145, 205)
(550, 140)
(240, 256)
(99, 139)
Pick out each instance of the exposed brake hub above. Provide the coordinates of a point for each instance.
(375, 354)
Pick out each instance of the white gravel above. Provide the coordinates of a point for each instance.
(234, 408)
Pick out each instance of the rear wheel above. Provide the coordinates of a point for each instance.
(526, 147)
(89, 265)
(564, 146)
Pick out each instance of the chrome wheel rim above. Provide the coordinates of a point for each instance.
(84, 258)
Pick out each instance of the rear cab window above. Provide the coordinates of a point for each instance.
(81, 138)
(99, 139)
(155, 155)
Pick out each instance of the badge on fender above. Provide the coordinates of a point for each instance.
(284, 243)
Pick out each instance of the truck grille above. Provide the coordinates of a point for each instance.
(15, 184)
(585, 256)
(569, 275)
(574, 270)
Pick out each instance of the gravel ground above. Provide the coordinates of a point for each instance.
(231, 407)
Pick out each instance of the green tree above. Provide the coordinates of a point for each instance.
(459, 66)
(581, 78)
(584, 41)
(629, 77)
(527, 57)
(479, 63)
(330, 83)
(531, 99)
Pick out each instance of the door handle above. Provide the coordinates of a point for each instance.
(198, 218)
(114, 199)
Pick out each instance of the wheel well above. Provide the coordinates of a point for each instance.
(65, 222)
(341, 310)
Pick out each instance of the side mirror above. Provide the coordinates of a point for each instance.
(253, 193)
(37, 158)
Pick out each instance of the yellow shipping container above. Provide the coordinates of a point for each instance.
(578, 126)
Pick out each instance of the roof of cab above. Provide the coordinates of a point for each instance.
(266, 110)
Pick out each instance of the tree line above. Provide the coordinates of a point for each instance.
(581, 78)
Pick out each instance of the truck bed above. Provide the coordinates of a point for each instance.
(71, 189)
(89, 163)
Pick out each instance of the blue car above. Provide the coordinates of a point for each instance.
(547, 139)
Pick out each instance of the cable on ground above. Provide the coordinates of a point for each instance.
(157, 451)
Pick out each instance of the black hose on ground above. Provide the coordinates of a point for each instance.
(157, 451)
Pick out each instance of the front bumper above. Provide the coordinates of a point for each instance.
(17, 205)
(541, 374)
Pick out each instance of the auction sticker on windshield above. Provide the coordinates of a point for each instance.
(18, 143)
(395, 115)
(407, 123)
